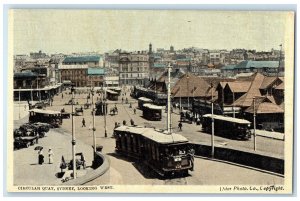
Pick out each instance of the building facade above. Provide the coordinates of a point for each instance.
(133, 67)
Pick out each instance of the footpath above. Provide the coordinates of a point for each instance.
(26, 169)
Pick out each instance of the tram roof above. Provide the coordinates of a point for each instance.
(145, 99)
(154, 107)
(154, 135)
(44, 111)
(111, 92)
(229, 119)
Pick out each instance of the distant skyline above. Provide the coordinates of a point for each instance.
(70, 31)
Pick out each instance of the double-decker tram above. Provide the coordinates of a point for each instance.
(229, 127)
(152, 112)
(166, 154)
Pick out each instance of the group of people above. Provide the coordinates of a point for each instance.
(41, 156)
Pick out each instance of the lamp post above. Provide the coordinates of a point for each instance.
(188, 91)
(31, 94)
(180, 98)
(94, 129)
(73, 135)
(19, 102)
(254, 124)
(169, 100)
(104, 109)
(212, 124)
(233, 106)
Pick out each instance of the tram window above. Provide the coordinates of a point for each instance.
(153, 152)
(157, 153)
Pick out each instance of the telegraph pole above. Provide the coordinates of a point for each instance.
(94, 129)
(169, 100)
(212, 124)
(31, 95)
(279, 63)
(254, 124)
(73, 135)
(180, 98)
(233, 104)
(188, 91)
(19, 102)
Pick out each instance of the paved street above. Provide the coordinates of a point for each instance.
(207, 172)
(191, 131)
(121, 170)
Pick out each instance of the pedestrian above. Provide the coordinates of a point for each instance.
(132, 122)
(83, 123)
(124, 122)
(62, 96)
(180, 126)
(90, 126)
(41, 156)
(50, 155)
(198, 121)
(37, 137)
(122, 100)
(134, 111)
(116, 125)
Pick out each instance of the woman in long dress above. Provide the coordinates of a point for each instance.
(41, 156)
(50, 154)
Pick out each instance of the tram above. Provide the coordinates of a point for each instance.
(112, 95)
(142, 101)
(45, 116)
(152, 112)
(166, 154)
(229, 127)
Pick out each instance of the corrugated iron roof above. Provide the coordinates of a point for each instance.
(253, 91)
(228, 67)
(265, 108)
(239, 86)
(190, 85)
(267, 82)
(88, 58)
(25, 74)
(257, 64)
(280, 87)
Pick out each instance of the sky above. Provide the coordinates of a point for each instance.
(68, 31)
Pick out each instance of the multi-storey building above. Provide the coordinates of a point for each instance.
(82, 71)
(133, 67)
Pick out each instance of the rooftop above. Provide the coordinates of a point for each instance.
(257, 64)
(153, 134)
(89, 58)
(24, 74)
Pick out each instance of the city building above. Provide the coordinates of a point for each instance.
(89, 60)
(82, 70)
(133, 67)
